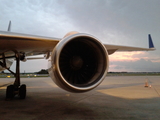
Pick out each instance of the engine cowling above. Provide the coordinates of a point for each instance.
(78, 63)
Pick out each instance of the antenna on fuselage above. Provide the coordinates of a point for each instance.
(9, 26)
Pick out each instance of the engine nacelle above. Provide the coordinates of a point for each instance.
(78, 63)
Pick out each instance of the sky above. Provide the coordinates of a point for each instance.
(117, 22)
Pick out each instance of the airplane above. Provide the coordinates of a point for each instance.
(78, 62)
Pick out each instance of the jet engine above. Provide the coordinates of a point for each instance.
(78, 63)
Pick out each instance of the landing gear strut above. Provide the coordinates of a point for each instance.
(16, 88)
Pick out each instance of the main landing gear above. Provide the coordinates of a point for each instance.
(13, 90)
(16, 88)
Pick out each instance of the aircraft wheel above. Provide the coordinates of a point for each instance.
(10, 92)
(22, 91)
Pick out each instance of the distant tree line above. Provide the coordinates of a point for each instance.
(42, 71)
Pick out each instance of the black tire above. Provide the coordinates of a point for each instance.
(22, 91)
(10, 92)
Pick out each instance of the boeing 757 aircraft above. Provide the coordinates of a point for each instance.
(78, 62)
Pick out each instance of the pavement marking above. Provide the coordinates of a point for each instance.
(67, 95)
(5, 85)
(37, 87)
(153, 87)
(156, 91)
(51, 83)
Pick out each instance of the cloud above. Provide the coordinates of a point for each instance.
(141, 65)
(127, 56)
(127, 21)
(35, 17)
(113, 22)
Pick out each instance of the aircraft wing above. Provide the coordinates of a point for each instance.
(117, 48)
(37, 45)
(113, 48)
(29, 44)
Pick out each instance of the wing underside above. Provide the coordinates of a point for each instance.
(117, 48)
(28, 44)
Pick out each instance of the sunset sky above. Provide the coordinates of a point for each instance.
(117, 22)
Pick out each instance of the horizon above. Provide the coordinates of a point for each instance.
(126, 23)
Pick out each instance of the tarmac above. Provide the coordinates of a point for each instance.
(117, 98)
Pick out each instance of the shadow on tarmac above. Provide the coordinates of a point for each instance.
(53, 103)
